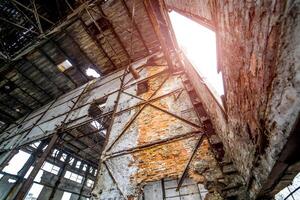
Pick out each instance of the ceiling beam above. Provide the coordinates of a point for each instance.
(55, 66)
(37, 16)
(24, 91)
(8, 115)
(135, 25)
(104, 36)
(24, 15)
(81, 51)
(18, 26)
(34, 83)
(44, 75)
(33, 12)
(112, 29)
(98, 43)
(65, 54)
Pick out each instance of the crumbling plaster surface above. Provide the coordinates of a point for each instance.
(123, 176)
(258, 50)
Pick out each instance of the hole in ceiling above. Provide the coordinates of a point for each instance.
(91, 72)
(198, 43)
(64, 65)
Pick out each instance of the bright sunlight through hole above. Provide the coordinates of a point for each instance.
(199, 44)
(92, 72)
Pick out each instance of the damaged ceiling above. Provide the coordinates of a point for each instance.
(96, 34)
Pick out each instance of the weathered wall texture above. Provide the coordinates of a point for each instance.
(156, 144)
(258, 47)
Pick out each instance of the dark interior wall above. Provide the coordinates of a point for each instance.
(258, 54)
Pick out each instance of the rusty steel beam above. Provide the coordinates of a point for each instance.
(157, 29)
(135, 25)
(185, 171)
(29, 181)
(115, 107)
(135, 115)
(153, 144)
(27, 18)
(60, 174)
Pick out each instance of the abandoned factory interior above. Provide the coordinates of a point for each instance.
(149, 100)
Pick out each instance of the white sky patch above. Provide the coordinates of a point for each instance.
(11, 180)
(66, 196)
(34, 191)
(199, 45)
(286, 191)
(96, 124)
(92, 72)
(16, 163)
(28, 172)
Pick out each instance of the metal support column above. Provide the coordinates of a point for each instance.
(27, 184)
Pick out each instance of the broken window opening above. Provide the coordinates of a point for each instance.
(84, 167)
(78, 164)
(35, 144)
(55, 153)
(73, 176)
(63, 157)
(89, 183)
(71, 161)
(142, 87)
(198, 43)
(51, 168)
(16, 163)
(63, 66)
(96, 124)
(45, 147)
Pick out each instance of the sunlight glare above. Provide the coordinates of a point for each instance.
(199, 44)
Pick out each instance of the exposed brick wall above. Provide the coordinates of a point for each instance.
(258, 46)
(168, 160)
